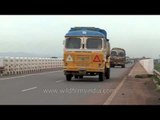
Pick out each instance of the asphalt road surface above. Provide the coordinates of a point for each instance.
(51, 88)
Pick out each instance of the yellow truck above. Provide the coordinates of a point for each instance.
(118, 57)
(86, 53)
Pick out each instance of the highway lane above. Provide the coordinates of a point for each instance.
(51, 88)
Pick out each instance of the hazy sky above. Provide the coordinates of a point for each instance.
(139, 35)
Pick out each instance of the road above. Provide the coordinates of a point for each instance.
(51, 88)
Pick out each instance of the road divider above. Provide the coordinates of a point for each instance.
(148, 65)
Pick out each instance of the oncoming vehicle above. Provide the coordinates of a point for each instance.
(118, 57)
(86, 53)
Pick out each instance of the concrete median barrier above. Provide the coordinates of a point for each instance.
(148, 65)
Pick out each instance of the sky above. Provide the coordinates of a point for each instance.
(139, 35)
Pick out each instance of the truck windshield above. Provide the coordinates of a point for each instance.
(73, 43)
(121, 54)
(113, 53)
(94, 43)
(118, 53)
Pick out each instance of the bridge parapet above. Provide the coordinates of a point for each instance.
(20, 65)
(148, 65)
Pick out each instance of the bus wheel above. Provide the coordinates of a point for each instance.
(101, 76)
(107, 73)
(68, 77)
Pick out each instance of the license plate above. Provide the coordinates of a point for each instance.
(83, 58)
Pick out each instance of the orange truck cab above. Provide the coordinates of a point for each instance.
(86, 53)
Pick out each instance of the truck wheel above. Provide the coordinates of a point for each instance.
(112, 65)
(107, 73)
(123, 66)
(76, 76)
(68, 77)
(81, 76)
(101, 76)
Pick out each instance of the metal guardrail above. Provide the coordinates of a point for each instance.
(157, 73)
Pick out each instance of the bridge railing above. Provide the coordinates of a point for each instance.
(20, 65)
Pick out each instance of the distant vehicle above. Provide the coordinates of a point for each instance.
(118, 57)
(86, 53)
(1, 65)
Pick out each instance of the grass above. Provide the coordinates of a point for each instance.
(156, 79)
(157, 82)
(157, 67)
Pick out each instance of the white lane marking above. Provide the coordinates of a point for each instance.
(131, 72)
(60, 81)
(29, 89)
(110, 98)
(29, 75)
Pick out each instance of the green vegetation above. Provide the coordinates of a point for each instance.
(157, 67)
(157, 80)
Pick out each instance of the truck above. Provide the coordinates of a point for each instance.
(118, 57)
(86, 53)
(1, 65)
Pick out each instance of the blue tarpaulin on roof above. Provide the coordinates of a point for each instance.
(87, 31)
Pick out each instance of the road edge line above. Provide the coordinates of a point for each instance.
(110, 98)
